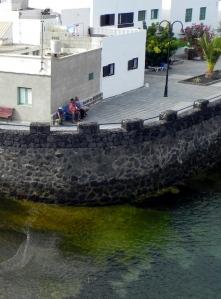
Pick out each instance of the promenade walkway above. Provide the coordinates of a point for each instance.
(149, 101)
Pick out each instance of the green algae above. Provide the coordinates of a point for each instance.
(100, 232)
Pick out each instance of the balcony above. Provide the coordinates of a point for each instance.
(124, 25)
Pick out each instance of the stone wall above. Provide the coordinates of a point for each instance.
(94, 166)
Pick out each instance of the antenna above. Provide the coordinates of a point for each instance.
(42, 42)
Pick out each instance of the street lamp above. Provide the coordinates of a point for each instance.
(170, 35)
(42, 40)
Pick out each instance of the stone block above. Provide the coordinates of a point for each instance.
(168, 115)
(201, 104)
(40, 128)
(88, 128)
(135, 124)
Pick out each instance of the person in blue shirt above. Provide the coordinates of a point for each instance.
(83, 109)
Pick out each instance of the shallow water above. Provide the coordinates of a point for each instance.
(170, 251)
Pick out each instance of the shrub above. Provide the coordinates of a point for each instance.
(157, 46)
(193, 33)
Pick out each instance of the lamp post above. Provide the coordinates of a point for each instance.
(170, 35)
(42, 41)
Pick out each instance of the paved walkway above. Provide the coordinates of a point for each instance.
(149, 101)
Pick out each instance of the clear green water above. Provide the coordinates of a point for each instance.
(170, 251)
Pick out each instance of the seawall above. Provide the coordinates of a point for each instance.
(93, 166)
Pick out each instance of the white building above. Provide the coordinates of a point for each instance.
(105, 13)
(196, 12)
(123, 49)
(123, 46)
(123, 60)
(122, 56)
(39, 84)
(23, 23)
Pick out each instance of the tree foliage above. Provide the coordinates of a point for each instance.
(157, 45)
(193, 33)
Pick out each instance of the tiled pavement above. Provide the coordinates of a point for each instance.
(149, 101)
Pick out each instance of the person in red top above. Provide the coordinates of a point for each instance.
(73, 109)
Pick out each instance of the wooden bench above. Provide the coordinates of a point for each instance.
(6, 112)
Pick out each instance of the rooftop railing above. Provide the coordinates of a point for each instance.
(113, 31)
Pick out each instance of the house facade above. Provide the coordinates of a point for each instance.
(104, 13)
(196, 12)
(123, 60)
(40, 84)
(25, 23)
(123, 44)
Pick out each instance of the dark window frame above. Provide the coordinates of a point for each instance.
(142, 15)
(154, 14)
(91, 76)
(202, 16)
(109, 70)
(188, 15)
(107, 20)
(133, 64)
(125, 19)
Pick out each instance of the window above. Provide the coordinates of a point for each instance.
(154, 14)
(125, 20)
(142, 15)
(202, 13)
(24, 96)
(91, 76)
(107, 20)
(188, 16)
(36, 53)
(133, 64)
(108, 70)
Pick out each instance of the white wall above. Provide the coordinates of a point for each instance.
(14, 4)
(26, 31)
(24, 65)
(100, 7)
(178, 10)
(166, 9)
(8, 16)
(6, 34)
(58, 5)
(123, 6)
(18, 4)
(119, 50)
(78, 16)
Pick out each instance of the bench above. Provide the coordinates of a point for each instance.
(6, 112)
(157, 68)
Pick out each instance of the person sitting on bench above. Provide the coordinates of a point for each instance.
(74, 110)
(58, 116)
(83, 109)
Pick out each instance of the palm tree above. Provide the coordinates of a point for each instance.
(211, 48)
